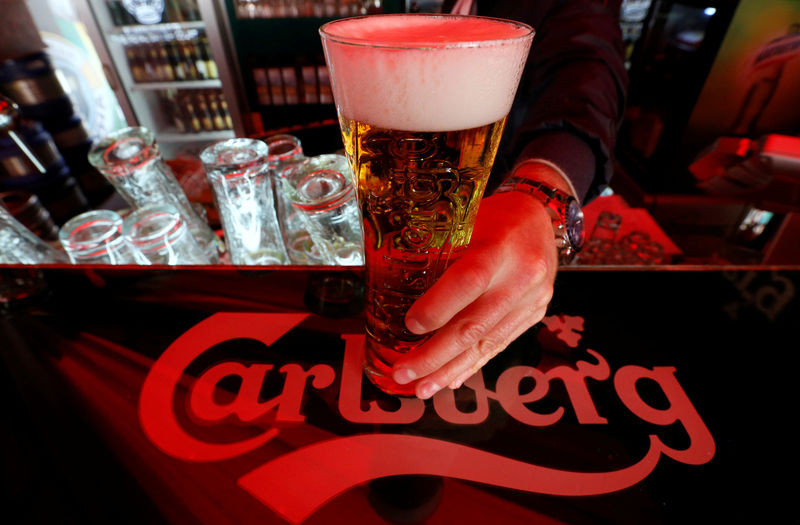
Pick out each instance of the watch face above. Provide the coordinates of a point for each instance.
(574, 224)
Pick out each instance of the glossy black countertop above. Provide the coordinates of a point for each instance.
(225, 395)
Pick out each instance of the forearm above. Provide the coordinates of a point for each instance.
(546, 170)
(572, 95)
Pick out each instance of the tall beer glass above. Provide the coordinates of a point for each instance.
(422, 102)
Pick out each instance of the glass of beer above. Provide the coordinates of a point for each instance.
(422, 101)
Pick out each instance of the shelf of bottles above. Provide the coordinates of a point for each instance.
(304, 8)
(169, 55)
(191, 112)
(162, 52)
(292, 85)
(166, 45)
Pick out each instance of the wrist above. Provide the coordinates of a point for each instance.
(546, 172)
(544, 182)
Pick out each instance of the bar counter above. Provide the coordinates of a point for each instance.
(229, 395)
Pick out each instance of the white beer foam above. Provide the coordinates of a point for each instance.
(461, 73)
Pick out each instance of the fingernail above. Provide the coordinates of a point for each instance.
(404, 376)
(414, 326)
(427, 389)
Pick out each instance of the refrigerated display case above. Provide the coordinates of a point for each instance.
(168, 68)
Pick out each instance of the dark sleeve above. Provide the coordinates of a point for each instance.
(571, 97)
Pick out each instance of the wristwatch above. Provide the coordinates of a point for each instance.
(564, 209)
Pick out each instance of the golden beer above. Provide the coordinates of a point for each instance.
(419, 194)
(422, 102)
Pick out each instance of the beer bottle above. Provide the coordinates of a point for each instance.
(223, 107)
(216, 114)
(155, 60)
(147, 66)
(191, 114)
(211, 66)
(177, 112)
(200, 64)
(164, 106)
(135, 63)
(177, 119)
(174, 53)
(147, 70)
(202, 110)
(189, 63)
(165, 62)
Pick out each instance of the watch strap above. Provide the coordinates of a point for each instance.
(556, 201)
(523, 170)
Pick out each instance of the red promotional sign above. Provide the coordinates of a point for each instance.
(297, 483)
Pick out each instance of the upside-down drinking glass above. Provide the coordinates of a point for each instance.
(325, 197)
(159, 234)
(129, 158)
(285, 156)
(240, 178)
(95, 237)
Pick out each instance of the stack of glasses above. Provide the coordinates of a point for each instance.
(322, 192)
(152, 234)
(276, 206)
(279, 207)
(130, 160)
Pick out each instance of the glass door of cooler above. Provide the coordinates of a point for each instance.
(162, 56)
